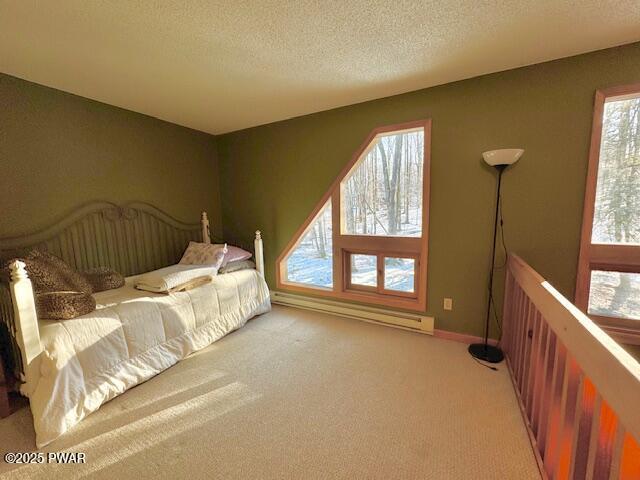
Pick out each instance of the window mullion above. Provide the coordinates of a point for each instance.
(338, 264)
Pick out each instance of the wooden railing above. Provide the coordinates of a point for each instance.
(579, 390)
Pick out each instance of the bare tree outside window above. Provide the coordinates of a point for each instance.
(615, 294)
(311, 262)
(383, 194)
(617, 207)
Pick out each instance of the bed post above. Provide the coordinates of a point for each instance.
(206, 234)
(259, 252)
(24, 311)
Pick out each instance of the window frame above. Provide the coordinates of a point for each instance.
(381, 246)
(281, 264)
(380, 273)
(416, 280)
(599, 256)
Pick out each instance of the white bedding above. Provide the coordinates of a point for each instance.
(132, 336)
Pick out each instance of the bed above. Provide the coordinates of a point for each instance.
(69, 368)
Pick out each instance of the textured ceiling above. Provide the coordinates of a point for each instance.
(219, 66)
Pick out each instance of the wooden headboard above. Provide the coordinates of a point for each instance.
(132, 238)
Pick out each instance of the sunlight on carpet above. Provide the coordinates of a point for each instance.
(298, 394)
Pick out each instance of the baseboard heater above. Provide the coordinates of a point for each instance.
(418, 323)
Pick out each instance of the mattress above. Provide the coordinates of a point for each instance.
(131, 336)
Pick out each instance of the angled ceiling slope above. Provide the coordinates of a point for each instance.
(219, 66)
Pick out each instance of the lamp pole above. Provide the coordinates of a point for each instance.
(484, 351)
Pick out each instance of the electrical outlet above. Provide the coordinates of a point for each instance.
(448, 304)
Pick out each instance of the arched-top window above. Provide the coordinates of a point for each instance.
(367, 238)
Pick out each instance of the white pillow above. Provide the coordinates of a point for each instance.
(204, 254)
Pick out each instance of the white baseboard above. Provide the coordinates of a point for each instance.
(408, 321)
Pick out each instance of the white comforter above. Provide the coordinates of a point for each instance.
(131, 337)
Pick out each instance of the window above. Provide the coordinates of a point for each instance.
(367, 238)
(615, 294)
(399, 274)
(363, 270)
(608, 285)
(383, 194)
(311, 261)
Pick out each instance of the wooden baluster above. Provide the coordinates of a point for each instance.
(526, 325)
(506, 314)
(522, 326)
(630, 462)
(534, 363)
(570, 397)
(556, 412)
(532, 333)
(559, 452)
(587, 413)
(606, 437)
(539, 381)
(517, 331)
(513, 349)
(547, 392)
(526, 344)
(616, 453)
(524, 320)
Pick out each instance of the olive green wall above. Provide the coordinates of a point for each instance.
(273, 175)
(59, 150)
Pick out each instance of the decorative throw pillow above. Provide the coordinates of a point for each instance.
(66, 272)
(204, 254)
(103, 278)
(235, 254)
(64, 305)
(49, 273)
(238, 265)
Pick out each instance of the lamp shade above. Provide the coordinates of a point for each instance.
(505, 156)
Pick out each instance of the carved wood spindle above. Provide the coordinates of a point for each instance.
(206, 233)
(259, 251)
(24, 309)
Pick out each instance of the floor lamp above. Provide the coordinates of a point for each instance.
(500, 160)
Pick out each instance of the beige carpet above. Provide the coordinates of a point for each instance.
(298, 394)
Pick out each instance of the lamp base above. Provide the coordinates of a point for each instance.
(488, 353)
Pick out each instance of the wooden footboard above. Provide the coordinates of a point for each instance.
(579, 390)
